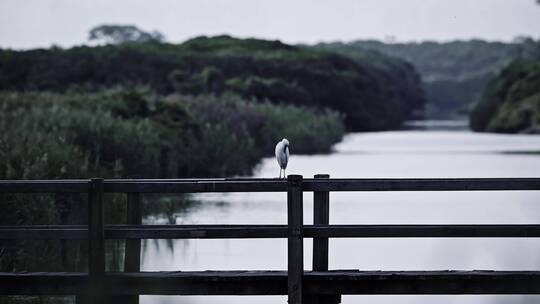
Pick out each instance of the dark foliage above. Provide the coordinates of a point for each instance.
(511, 101)
(455, 73)
(372, 95)
(136, 133)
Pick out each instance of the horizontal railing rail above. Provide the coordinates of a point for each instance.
(272, 185)
(80, 232)
(318, 286)
(275, 282)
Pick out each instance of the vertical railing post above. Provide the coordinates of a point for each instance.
(321, 217)
(295, 245)
(96, 242)
(61, 206)
(132, 260)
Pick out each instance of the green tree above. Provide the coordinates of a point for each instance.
(117, 34)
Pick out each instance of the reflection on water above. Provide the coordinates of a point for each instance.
(377, 155)
(444, 125)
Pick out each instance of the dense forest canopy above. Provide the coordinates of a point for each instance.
(455, 73)
(374, 93)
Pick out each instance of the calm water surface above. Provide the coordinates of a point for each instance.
(375, 155)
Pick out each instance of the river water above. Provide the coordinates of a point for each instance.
(375, 155)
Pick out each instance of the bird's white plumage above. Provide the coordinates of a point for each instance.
(282, 154)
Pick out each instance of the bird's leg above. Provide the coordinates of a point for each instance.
(279, 173)
(284, 173)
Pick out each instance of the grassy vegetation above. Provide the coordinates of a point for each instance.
(511, 101)
(137, 133)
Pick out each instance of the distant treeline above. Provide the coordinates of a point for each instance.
(455, 73)
(373, 92)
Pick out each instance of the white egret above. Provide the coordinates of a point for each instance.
(282, 155)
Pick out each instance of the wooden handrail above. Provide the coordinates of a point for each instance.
(136, 232)
(319, 286)
(274, 185)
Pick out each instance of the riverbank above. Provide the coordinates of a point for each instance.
(133, 133)
(137, 133)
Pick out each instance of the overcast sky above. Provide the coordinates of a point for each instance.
(41, 23)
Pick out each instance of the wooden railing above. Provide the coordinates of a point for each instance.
(318, 286)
